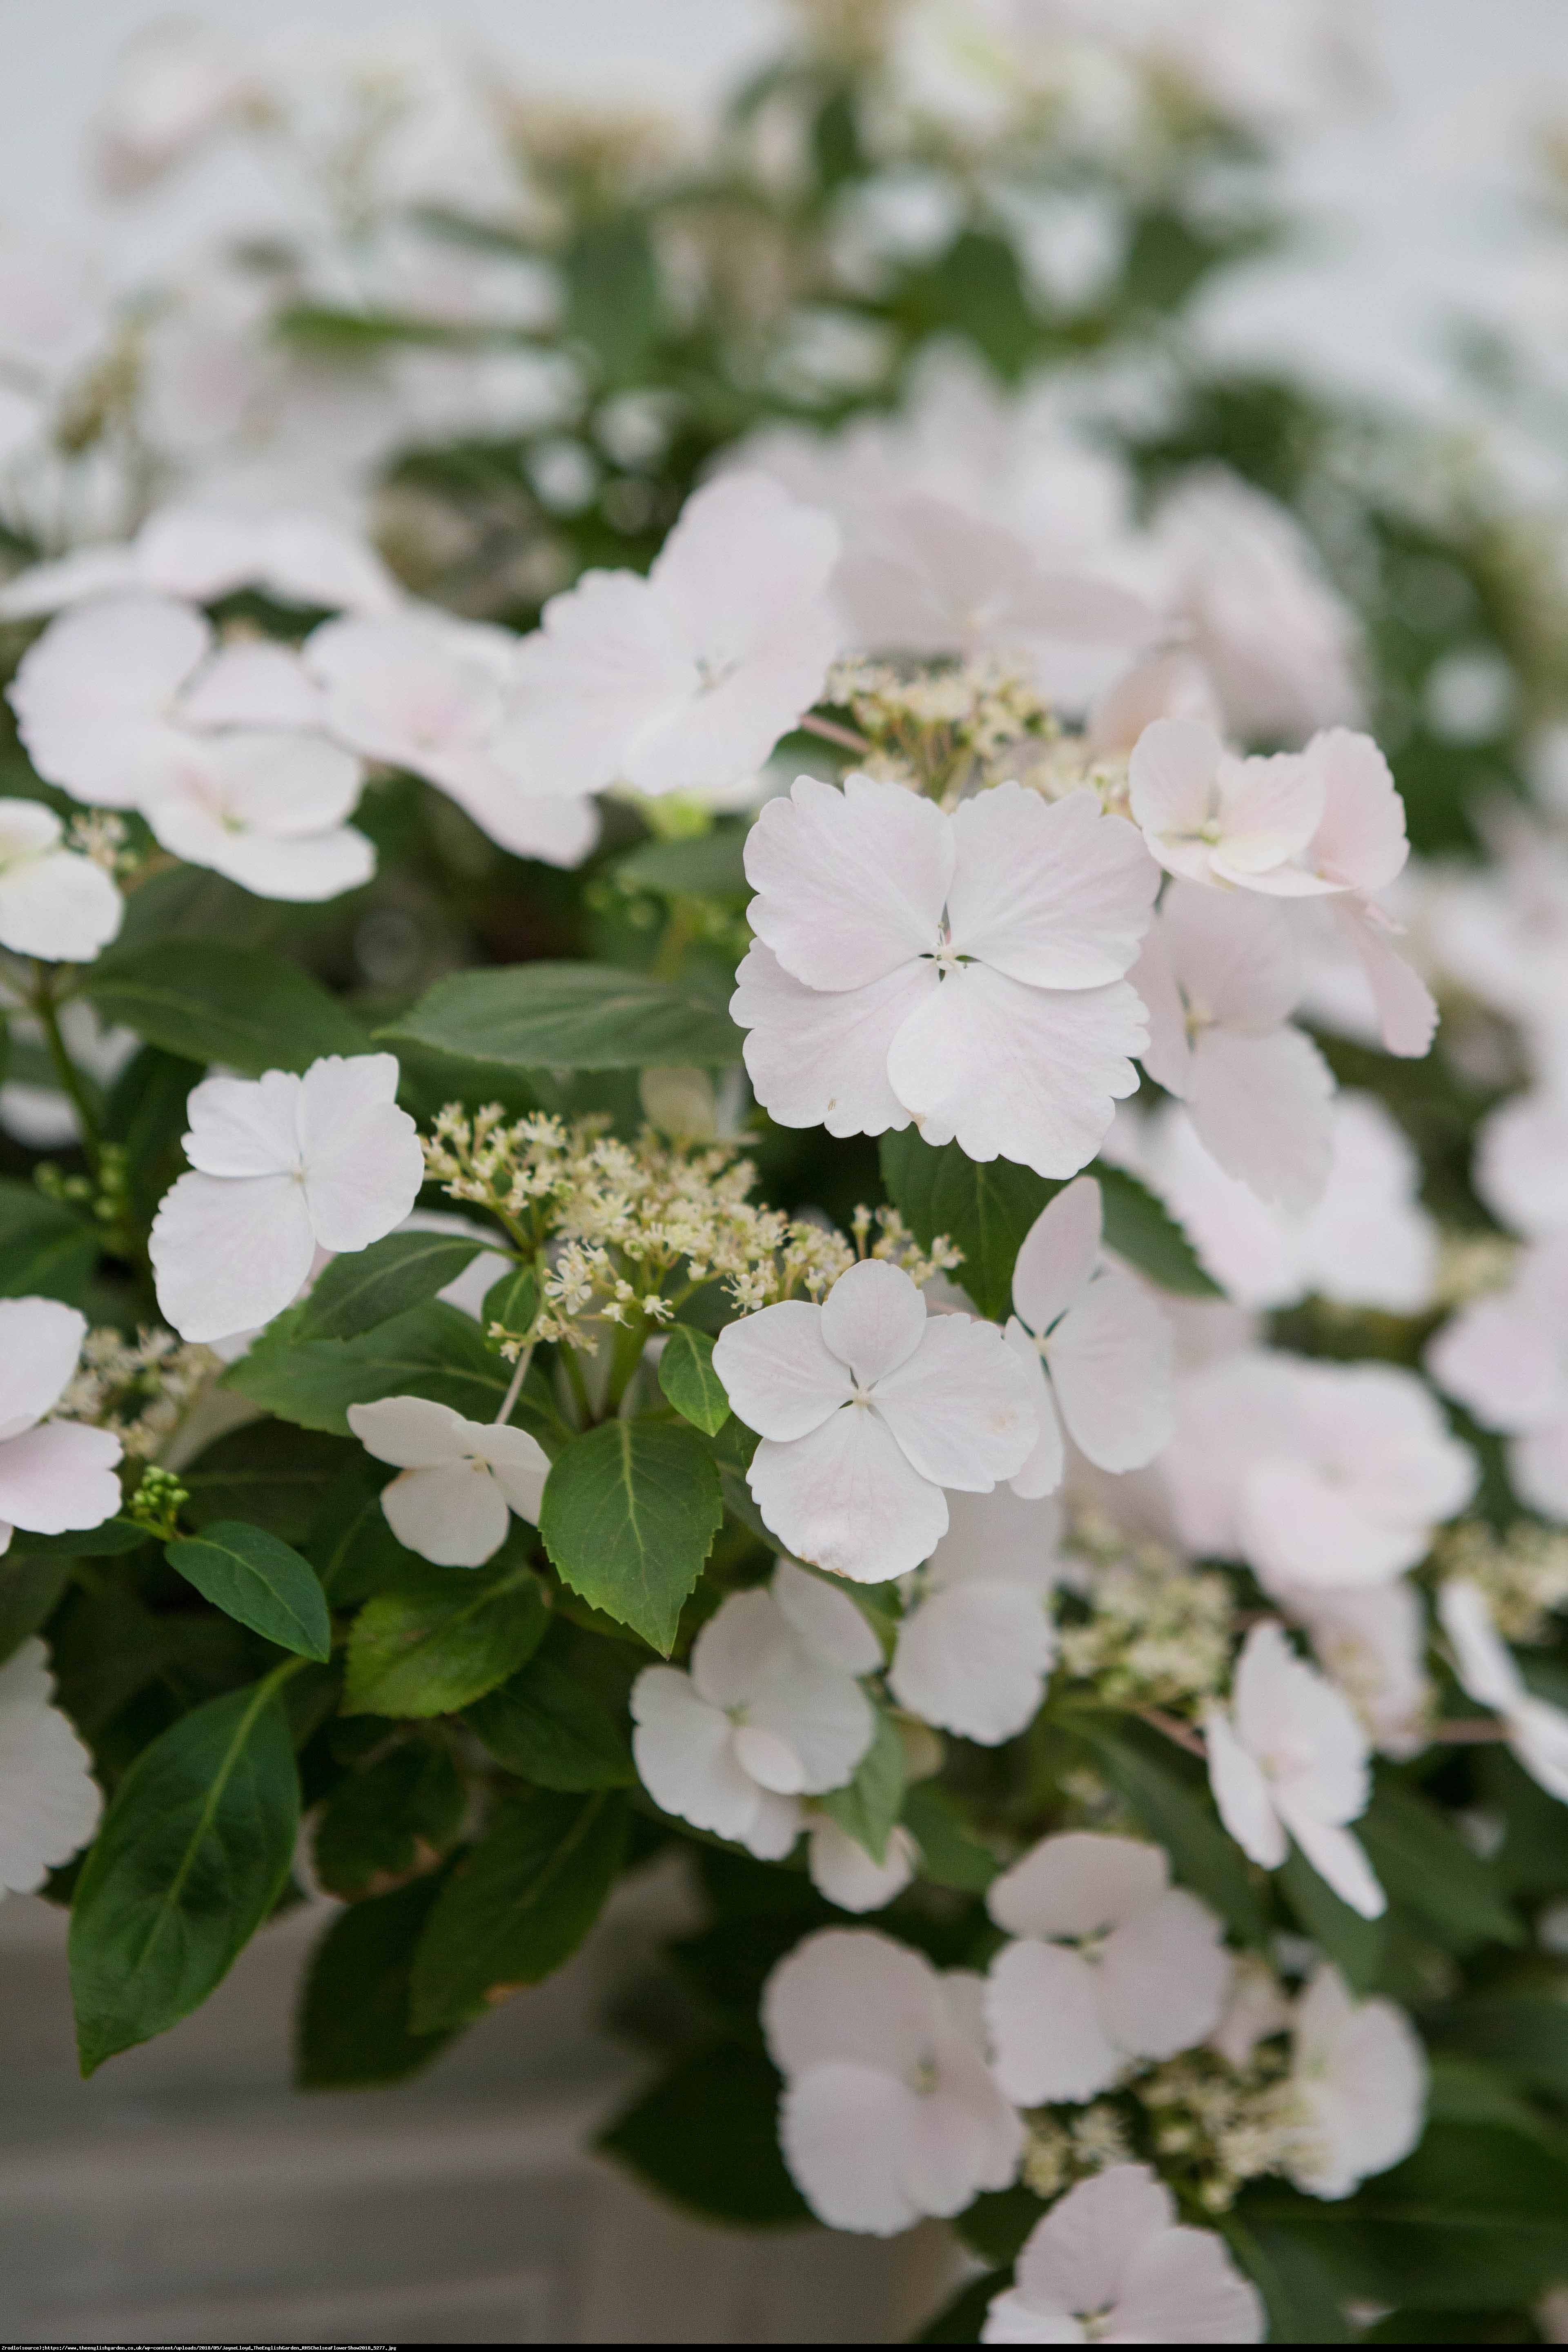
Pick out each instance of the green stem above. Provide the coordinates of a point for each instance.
(65, 1069)
(515, 1389)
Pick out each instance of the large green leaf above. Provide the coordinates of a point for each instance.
(1303, 2306)
(545, 1726)
(566, 1016)
(1524, 2035)
(357, 1293)
(444, 1638)
(518, 1905)
(707, 2137)
(629, 1514)
(379, 1823)
(1176, 1811)
(686, 1375)
(1356, 1946)
(46, 1251)
(191, 1858)
(269, 1474)
(249, 1010)
(432, 1351)
(1426, 1868)
(708, 866)
(353, 2020)
(951, 1854)
(261, 1581)
(1140, 1229)
(29, 1592)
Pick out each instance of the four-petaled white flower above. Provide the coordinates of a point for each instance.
(49, 1802)
(687, 679)
(1109, 2264)
(1214, 818)
(1113, 1965)
(1358, 2070)
(1220, 976)
(975, 1641)
(460, 1481)
(888, 2110)
(202, 552)
(769, 1711)
(55, 1476)
(280, 1164)
(965, 971)
(1535, 1729)
(1096, 1349)
(1289, 1754)
(1315, 1474)
(425, 692)
(1505, 1357)
(867, 1409)
(54, 902)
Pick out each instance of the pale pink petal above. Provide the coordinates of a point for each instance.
(58, 1476)
(1300, 1525)
(1406, 1010)
(252, 683)
(411, 1432)
(1502, 1361)
(1242, 1793)
(1262, 1106)
(1079, 1883)
(1181, 2287)
(998, 1539)
(851, 884)
(363, 1162)
(558, 829)
(1111, 1359)
(92, 695)
(519, 1466)
(1043, 1472)
(60, 908)
(1160, 686)
(297, 872)
(958, 2144)
(1360, 842)
(851, 1997)
(290, 787)
(1077, 2257)
(1522, 1163)
(972, 1660)
(778, 1374)
(606, 663)
(684, 1751)
(453, 1514)
(1047, 2040)
(1236, 959)
(1485, 1663)
(1053, 893)
(873, 1320)
(727, 730)
(229, 1253)
(1338, 1857)
(1056, 1255)
(846, 1498)
(742, 559)
(841, 1868)
(1537, 1467)
(244, 1127)
(1017, 1073)
(1269, 810)
(1172, 779)
(845, 2131)
(820, 1059)
(40, 1340)
(1163, 1976)
(1168, 1055)
(960, 1406)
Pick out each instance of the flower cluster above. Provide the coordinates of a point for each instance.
(139, 1389)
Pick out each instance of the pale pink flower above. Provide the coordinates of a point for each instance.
(1111, 2263)
(460, 1480)
(975, 1641)
(55, 1476)
(1358, 2069)
(49, 1802)
(1505, 1357)
(54, 903)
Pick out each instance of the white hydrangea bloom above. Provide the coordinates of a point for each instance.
(843, 1871)
(460, 1480)
(1316, 1474)
(965, 971)
(55, 1476)
(1289, 1756)
(1358, 2069)
(1096, 1348)
(867, 1408)
(280, 1165)
(975, 1641)
(1220, 975)
(1109, 2264)
(1113, 1966)
(49, 1802)
(687, 679)
(1219, 819)
(888, 2110)
(1505, 1357)
(1536, 1731)
(769, 1711)
(201, 553)
(54, 902)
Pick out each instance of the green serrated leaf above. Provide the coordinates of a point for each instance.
(433, 1351)
(249, 1010)
(707, 2137)
(354, 2026)
(550, 1730)
(193, 1855)
(1426, 1868)
(46, 1251)
(518, 1906)
(374, 1823)
(629, 1514)
(1140, 1228)
(102, 1542)
(357, 1293)
(1524, 2035)
(566, 1016)
(1302, 2303)
(709, 865)
(686, 1375)
(512, 1302)
(267, 1473)
(259, 1580)
(444, 1638)
(867, 1809)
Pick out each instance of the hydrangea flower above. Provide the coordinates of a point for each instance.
(687, 679)
(1219, 976)
(49, 1802)
(1112, 1964)
(460, 1480)
(888, 2109)
(279, 1166)
(1505, 1357)
(868, 1408)
(975, 1641)
(1358, 2070)
(1536, 1731)
(54, 902)
(1214, 818)
(1097, 1349)
(203, 552)
(425, 693)
(964, 972)
(1109, 2264)
(843, 1871)
(54, 1475)
(1316, 1474)
(769, 1711)
(1289, 1756)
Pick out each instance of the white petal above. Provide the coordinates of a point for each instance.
(1242, 1793)
(556, 828)
(1538, 1468)
(49, 1802)
(777, 1371)
(252, 683)
(1046, 2037)
(819, 1058)
(873, 1320)
(519, 1466)
(1079, 1883)
(1172, 778)
(229, 1253)
(1017, 1073)
(90, 695)
(998, 1539)
(62, 908)
(818, 1713)
(1164, 1977)
(1042, 1473)
(244, 1127)
(1168, 1055)
(841, 1868)
(1360, 842)
(1050, 892)
(1110, 1364)
(453, 1514)
(1406, 1008)
(1234, 955)
(974, 1660)
(58, 1476)
(960, 1406)
(851, 883)
(844, 2131)
(1299, 1525)
(363, 1162)
(824, 1620)
(1339, 1858)
(1502, 1360)
(741, 561)
(1485, 1663)
(40, 1340)
(852, 1997)
(1181, 2287)
(845, 1498)
(606, 663)
(413, 1433)
(1076, 2259)
(731, 1651)
(685, 1754)
(776, 1826)
(1538, 1734)
(296, 871)
(769, 1759)
(1269, 810)
(963, 2136)
(1262, 1106)
(1056, 1255)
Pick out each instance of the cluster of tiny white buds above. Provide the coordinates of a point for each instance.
(1155, 1632)
(100, 835)
(942, 729)
(139, 1389)
(1523, 1572)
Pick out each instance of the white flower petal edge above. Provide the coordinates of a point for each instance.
(56, 1475)
(1535, 1729)
(1359, 2071)
(49, 1802)
(460, 1480)
(54, 903)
